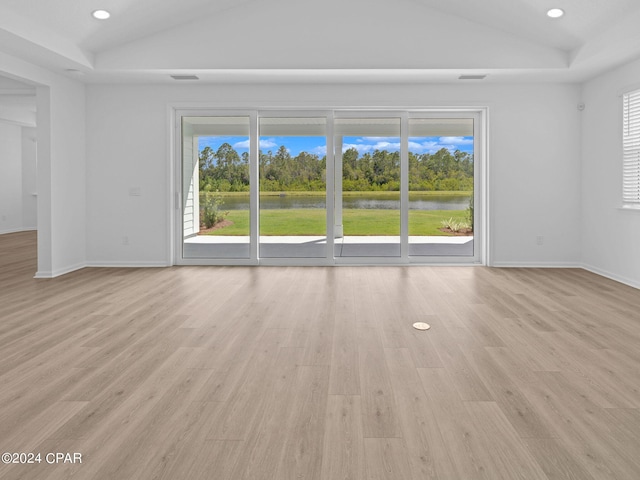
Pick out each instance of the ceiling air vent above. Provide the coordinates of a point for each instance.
(185, 77)
(472, 77)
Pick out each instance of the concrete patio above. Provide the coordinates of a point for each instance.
(315, 246)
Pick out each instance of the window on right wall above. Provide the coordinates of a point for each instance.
(631, 149)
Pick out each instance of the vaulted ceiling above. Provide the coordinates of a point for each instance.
(329, 40)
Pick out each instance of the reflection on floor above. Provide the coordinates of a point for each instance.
(204, 246)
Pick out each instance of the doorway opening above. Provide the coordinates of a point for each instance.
(330, 187)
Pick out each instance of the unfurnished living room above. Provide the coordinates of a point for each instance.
(326, 240)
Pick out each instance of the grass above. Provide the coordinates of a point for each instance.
(356, 222)
(383, 194)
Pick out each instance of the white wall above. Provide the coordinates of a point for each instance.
(611, 236)
(29, 178)
(10, 178)
(127, 147)
(17, 178)
(61, 166)
(68, 177)
(534, 159)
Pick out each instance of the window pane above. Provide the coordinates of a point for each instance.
(368, 199)
(293, 216)
(441, 176)
(631, 149)
(215, 187)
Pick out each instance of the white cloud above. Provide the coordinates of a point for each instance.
(434, 144)
(360, 147)
(320, 150)
(264, 143)
(424, 147)
(417, 145)
(456, 140)
(244, 145)
(378, 139)
(383, 145)
(347, 146)
(268, 143)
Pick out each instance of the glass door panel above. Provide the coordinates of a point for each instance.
(293, 189)
(441, 185)
(367, 191)
(402, 184)
(215, 187)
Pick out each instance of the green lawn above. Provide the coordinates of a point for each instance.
(356, 222)
(380, 194)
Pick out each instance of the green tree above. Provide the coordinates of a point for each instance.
(227, 171)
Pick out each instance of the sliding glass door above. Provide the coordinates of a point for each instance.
(441, 186)
(367, 195)
(215, 186)
(329, 187)
(293, 187)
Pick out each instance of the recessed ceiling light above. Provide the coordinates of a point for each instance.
(555, 13)
(101, 14)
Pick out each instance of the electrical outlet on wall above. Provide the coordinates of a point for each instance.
(539, 240)
(125, 240)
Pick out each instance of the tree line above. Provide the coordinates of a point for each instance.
(225, 170)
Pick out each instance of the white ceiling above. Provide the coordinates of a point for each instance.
(526, 18)
(327, 41)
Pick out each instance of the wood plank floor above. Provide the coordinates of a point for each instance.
(316, 373)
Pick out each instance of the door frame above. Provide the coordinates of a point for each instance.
(329, 186)
(481, 194)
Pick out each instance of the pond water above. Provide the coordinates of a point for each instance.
(369, 200)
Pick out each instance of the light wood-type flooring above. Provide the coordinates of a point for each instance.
(316, 373)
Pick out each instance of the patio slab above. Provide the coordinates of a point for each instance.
(309, 239)
(315, 246)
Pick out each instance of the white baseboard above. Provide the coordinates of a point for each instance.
(16, 230)
(536, 265)
(612, 276)
(590, 268)
(59, 271)
(117, 264)
(108, 264)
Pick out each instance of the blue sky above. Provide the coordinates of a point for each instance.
(317, 145)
